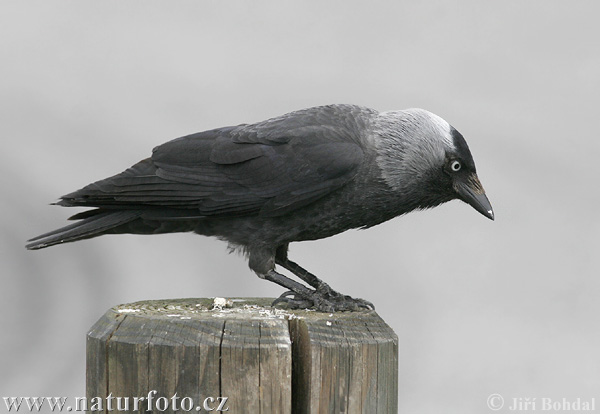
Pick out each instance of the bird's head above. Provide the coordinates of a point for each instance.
(427, 161)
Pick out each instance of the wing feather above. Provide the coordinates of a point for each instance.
(269, 168)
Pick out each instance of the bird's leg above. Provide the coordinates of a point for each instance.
(294, 287)
(322, 289)
(298, 296)
(262, 261)
(305, 275)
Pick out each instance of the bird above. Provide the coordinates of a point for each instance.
(304, 175)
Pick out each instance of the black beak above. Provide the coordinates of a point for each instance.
(471, 192)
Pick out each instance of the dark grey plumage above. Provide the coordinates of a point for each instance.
(305, 175)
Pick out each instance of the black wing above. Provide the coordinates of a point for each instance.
(270, 168)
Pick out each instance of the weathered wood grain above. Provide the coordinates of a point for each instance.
(263, 360)
(344, 362)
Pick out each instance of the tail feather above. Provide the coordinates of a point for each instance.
(91, 225)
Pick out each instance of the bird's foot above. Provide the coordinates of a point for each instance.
(324, 299)
(293, 301)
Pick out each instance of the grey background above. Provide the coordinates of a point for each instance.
(480, 307)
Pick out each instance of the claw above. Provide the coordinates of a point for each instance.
(293, 302)
(324, 300)
(363, 303)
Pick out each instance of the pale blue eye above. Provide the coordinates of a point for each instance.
(455, 166)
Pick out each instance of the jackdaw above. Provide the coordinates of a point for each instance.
(305, 175)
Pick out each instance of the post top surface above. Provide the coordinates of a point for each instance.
(201, 308)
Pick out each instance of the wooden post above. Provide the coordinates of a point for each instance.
(188, 355)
